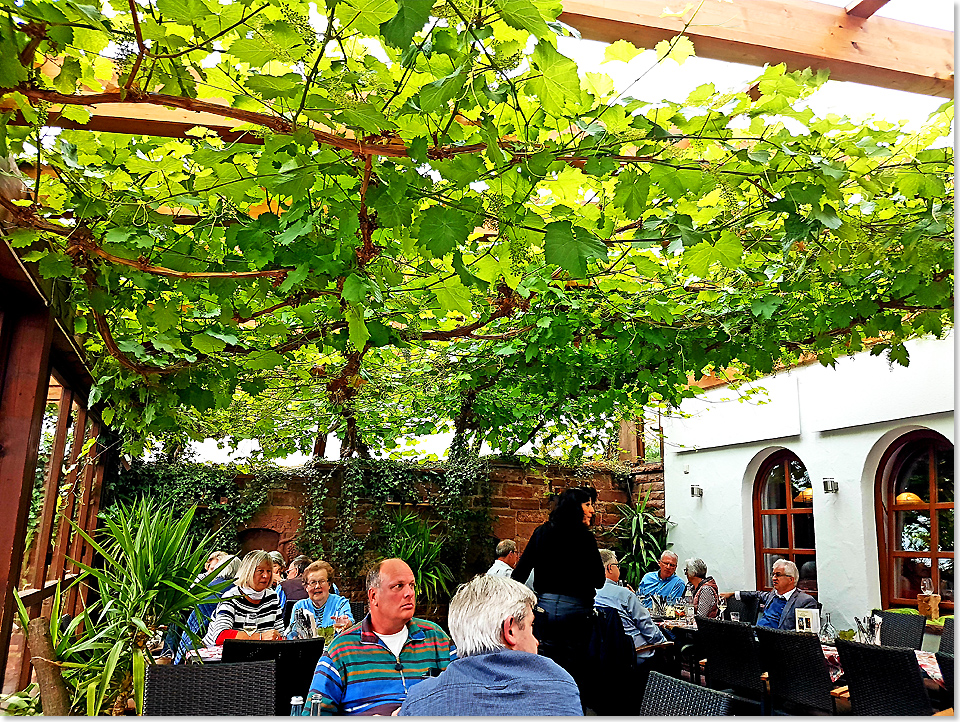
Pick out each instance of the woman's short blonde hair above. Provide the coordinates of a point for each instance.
(249, 565)
(316, 567)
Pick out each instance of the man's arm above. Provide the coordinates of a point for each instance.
(641, 618)
(327, 684)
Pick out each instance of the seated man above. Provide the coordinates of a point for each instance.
(292, 586)
(498, 671)
(507, 557)
(369, 668)
(664, 582)
(634, 616)
(779, 606)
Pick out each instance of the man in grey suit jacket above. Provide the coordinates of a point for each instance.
(779, 606)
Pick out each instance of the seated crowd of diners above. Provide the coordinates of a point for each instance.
(519, 632)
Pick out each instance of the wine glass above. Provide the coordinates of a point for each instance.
(340, 623)
(926, 585)
(722, 605)
(249, 627)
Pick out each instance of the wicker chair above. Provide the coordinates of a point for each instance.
(733, 657)
(210, 690)
(358, 610)
(749, 609)
(883, 680)
(946, 669)
(296, 661)
(901, 630)
(671, 697)
(797, 670)
(946, 639)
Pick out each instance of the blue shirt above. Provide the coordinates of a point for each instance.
(335, 606)
(507, 682)
(671, 588)
(772, 613)
(634, 616)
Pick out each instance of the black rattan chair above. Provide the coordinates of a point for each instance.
(359, 610)
(671, 697)
(883, 680)
(749, 609)
(288, 611)
(946, 639)
(946, 669)
(296, 661)
(210, 690)
(901, 630)
(797, 670)
(733, 657)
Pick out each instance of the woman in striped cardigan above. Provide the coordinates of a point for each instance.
(252, 611)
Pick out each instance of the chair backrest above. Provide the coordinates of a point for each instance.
(296, 661)
(358, 610)
(733, 657)
(749, 609)
(796, 667)
(611, 665)
(901, 630)
(288, 611)
(883, 680)
(946, 669)
(210, 690)
(946, 639)
(671, 697)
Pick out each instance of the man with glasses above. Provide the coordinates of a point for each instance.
(370, 667)
(327, 607)
(665, 582)
(633, 615)
(780, 605)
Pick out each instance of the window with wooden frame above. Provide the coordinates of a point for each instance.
(783, 519)
(915, 519)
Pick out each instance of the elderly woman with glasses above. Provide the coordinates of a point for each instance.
(704, 588)
(327, 608)
(252, 609)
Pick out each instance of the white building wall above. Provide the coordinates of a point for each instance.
(838, 422)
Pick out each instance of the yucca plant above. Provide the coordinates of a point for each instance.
(409, 537)
(145, 583)
(643, 538)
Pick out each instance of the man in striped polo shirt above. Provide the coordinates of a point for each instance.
(369, 668)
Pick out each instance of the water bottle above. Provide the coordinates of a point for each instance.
(296, 706)
(828, 633)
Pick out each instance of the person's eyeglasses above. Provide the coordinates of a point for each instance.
(315, 583)
(776, 575)
(613, 564)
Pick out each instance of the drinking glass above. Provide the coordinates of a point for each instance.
(926, 585)
(734, 616)
(722, 605)
(249, 628)
(340, 623)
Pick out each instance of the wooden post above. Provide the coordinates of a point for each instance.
(53, 692)
(63, 529)
(25, 349)
(78, 543)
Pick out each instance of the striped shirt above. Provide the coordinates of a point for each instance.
(359, 675)
(235, 612)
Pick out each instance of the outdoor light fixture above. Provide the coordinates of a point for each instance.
(908, 497)
(696, 491)
(830, 485)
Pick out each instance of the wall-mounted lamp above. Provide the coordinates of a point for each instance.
(830, 485)
(696, 491)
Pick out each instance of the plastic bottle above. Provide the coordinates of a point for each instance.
(296, 706)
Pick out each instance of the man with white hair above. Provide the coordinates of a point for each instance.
(633, 615)
(498, 671)
(664, 582)
(780, 605)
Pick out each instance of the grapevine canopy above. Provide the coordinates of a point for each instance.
(424, 217)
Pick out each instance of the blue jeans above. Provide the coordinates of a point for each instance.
(563, 625)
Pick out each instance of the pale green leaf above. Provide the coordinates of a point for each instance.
(558, 85)
(679, 49)
(453, 296)
(523, 15)
(622, 50)
(572, 247)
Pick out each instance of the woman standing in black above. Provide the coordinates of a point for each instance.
(567, 573)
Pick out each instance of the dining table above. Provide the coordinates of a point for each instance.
(926, 660)
(204, 654)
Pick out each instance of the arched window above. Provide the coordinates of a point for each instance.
(783, 519)
(915, 519)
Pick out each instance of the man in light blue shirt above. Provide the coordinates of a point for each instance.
(665, 582)
(634, 616)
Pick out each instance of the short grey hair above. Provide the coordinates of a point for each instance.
(373, 576)
(249, 565)
(481, 606)
(277, 558)
(673, 554)
(230, 568)
(506, 547)
(607, 557)
(695, 567)
(788, 567)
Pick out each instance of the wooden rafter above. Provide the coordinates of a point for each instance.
(864, 8)
(875, 51)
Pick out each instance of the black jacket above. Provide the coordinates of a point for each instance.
(566, 561)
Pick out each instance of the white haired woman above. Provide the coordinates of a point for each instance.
(253, 609)
(704, 588)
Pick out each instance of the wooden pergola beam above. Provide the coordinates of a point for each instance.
(864, 8)
(874, 51)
